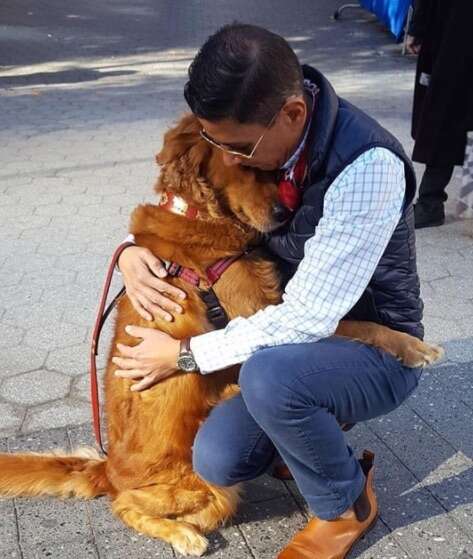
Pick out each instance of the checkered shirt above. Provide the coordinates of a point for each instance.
(361, 210)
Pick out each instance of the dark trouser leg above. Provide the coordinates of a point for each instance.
(429, 210)
(433, 184)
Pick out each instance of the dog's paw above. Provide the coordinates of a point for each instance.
(188, 541)
(420, 354)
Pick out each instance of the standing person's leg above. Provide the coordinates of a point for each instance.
(299, 394)
(429, 210)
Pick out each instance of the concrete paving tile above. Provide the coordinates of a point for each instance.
(9, 278)
(12, 335)
(460, 351)
(73, 360)
(445, 413)
(49, 278)
(264, 488)
(227, 543)
(19, 246)
(29, 263)
(15, 210)
(81, 387)
(46, 521)
(20, 360)
(417, 521)
(99, 210)
(51, 210)
(66, 550)
(8, 529)
(457, 379)
(126, 543)
(269, 525)
(101, 517)
(450, 308)
(64, 335)
(378, 544)
(40, 441)
(11, 418)
(77, 223)
(43, 232)
(452, 286)
(84, 199)
(81, 435)
(25, 224)
(16, 295)
(9, 233)
(60, 247)
(12, 553)
(82, 263)
(27, 316)
(296, 495)
(441, 330)
(39, 197)
(36, 387)
(57, 414)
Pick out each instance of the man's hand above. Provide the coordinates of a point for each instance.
(412, 45)
(149, 295)
(152, 360)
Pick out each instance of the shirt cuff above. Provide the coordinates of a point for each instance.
(200, 346)
(129, 239)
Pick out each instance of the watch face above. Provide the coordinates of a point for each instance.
(186, 363)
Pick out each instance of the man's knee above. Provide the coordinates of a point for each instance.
(263, 382)
(214, 462)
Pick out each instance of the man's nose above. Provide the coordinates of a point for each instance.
(230, 160)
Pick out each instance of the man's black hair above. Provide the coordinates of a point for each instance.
(242, 72)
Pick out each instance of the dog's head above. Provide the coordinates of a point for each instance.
(194, 169)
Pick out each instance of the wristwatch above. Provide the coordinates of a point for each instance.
(185, 360)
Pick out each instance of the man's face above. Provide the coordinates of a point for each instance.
(276, 142)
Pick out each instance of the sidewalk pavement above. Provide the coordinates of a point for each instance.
(86, 92)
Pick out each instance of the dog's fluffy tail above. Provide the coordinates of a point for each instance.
(80, 474)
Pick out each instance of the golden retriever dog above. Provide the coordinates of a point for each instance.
(148, 472)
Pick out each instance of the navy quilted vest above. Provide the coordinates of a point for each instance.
(340, 133)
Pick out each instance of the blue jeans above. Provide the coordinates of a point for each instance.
(292, 399)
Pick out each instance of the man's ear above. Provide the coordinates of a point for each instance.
(295, 110)
(179, 139)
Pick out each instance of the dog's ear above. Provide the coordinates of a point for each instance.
(180, 139)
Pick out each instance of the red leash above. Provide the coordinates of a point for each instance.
(215, 313)
(102, 315)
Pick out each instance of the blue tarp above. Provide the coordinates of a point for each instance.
(392, 12)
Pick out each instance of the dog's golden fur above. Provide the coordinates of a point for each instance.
(148, 472)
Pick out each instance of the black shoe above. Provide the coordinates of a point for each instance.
(431, 215)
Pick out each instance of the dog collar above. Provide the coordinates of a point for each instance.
(177, 205)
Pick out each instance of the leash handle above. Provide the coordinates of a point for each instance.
(100, 319)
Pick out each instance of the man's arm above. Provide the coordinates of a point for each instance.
(361, 210)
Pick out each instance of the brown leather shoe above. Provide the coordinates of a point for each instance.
(334, 539)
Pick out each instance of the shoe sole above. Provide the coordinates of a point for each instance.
(368, 529)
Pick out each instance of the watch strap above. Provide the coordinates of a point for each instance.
(185, 346)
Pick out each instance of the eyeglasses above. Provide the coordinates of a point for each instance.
(234, 152)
